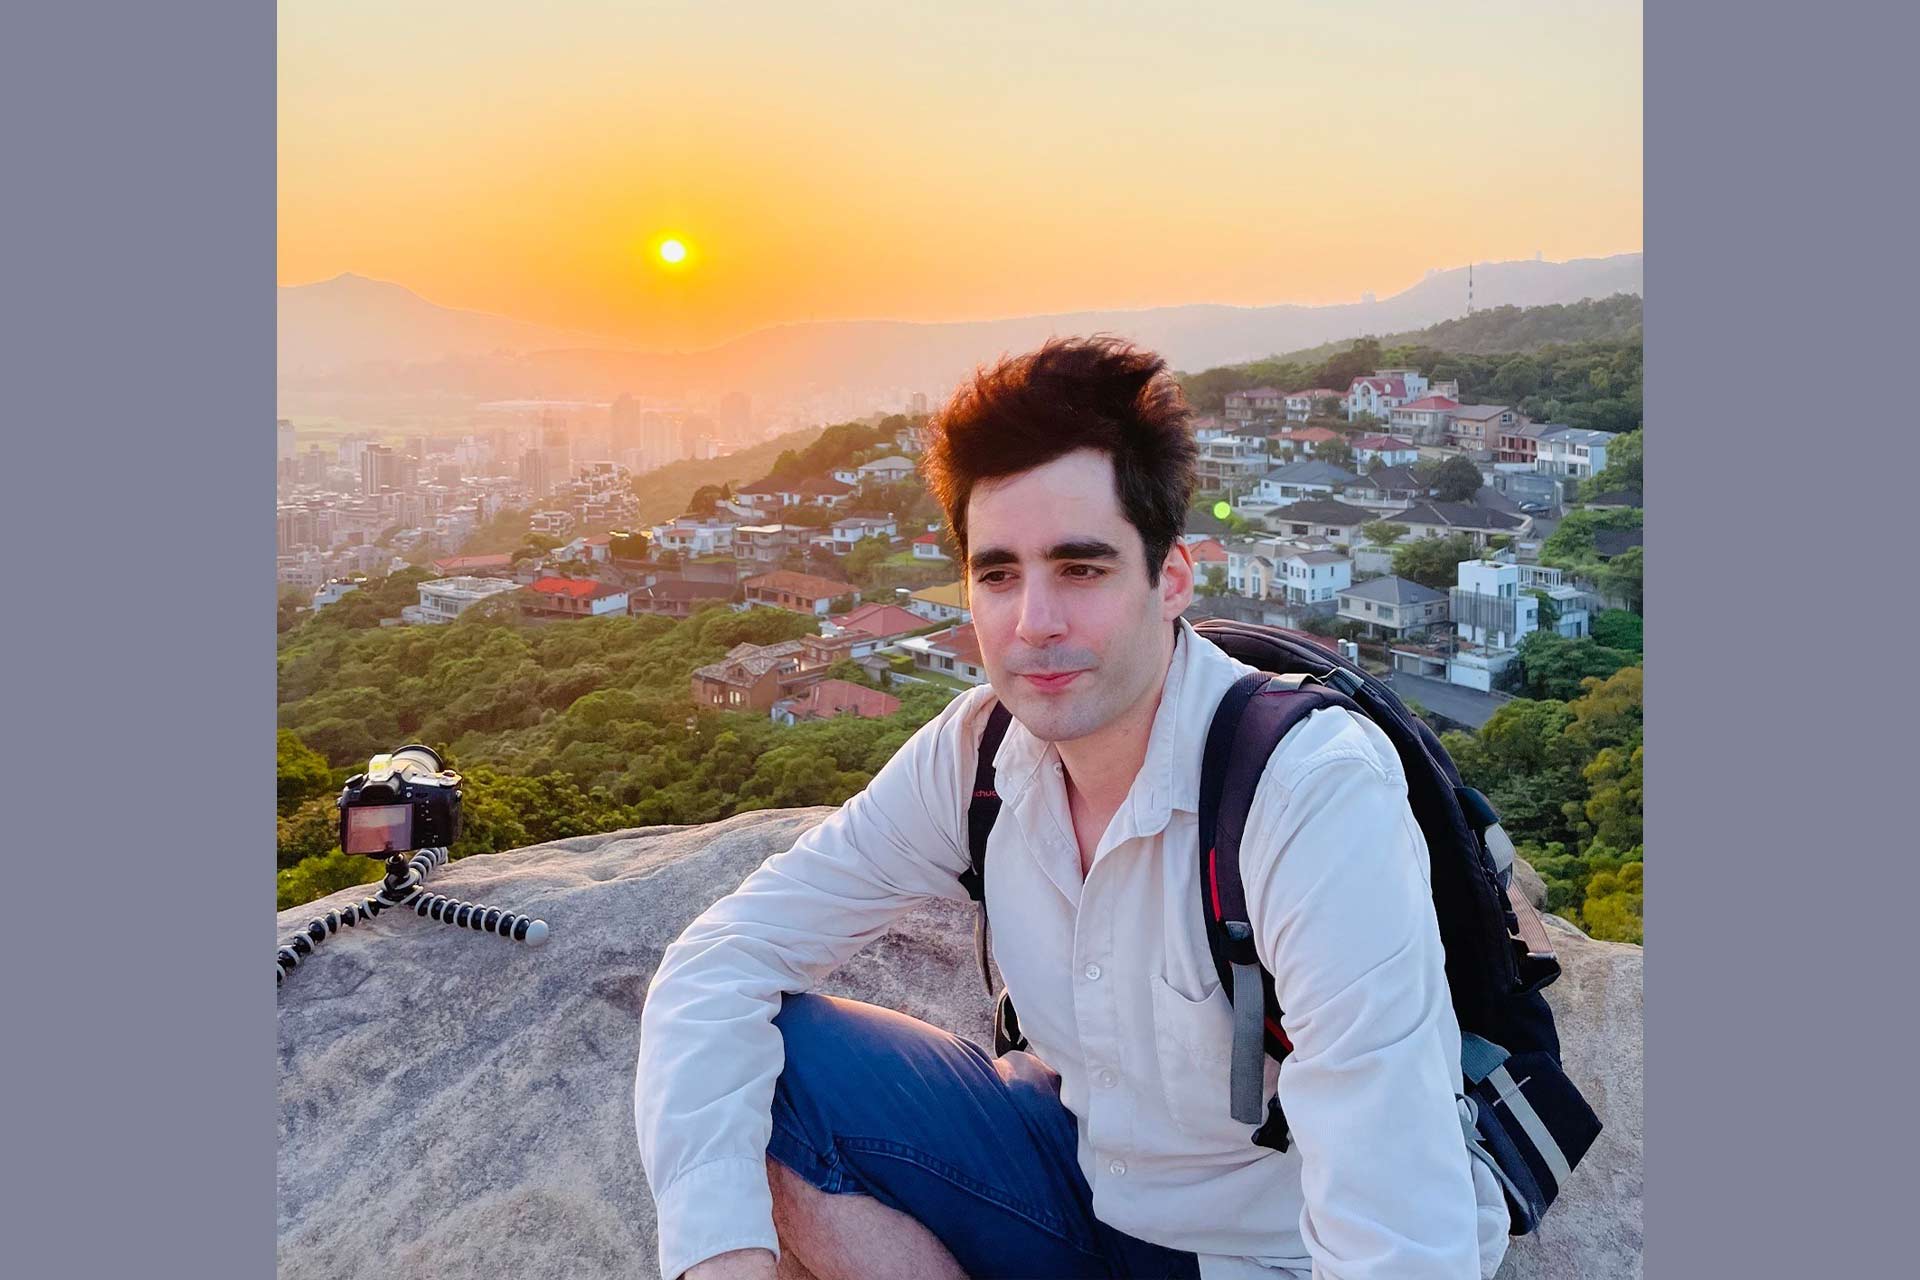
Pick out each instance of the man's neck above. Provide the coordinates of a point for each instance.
(1101, 767)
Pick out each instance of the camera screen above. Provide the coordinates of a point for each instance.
(386, 828)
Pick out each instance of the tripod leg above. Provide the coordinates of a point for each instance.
(473, 915)
(318, 930)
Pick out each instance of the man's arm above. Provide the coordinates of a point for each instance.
(709, 1053)
(1338, 886)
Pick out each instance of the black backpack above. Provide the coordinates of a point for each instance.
(1532, 1124)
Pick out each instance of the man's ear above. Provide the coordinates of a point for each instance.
(1176, 581)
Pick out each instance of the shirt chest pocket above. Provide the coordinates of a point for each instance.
(1194, 1042)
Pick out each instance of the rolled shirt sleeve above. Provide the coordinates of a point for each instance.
(1338, 888)
(709, 1053)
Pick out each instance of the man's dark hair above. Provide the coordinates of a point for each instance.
(1073, 393)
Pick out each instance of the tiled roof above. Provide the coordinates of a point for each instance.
(1321, 511)
(1382, 444)
(1430, 404)
(831, 698)
(822, 486)
(686, 589)
(746, 663)
(1208, 551)
(1457, 515)
(1312, 471)
(1481, 412)
(880, 620)
(575, 588)
(467, 564)
(958, 641)
(806, 585)
(1391, 590)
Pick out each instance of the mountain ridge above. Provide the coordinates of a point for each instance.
(402, 350)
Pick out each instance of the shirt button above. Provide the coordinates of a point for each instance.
(1058, 770)
(1108, 1079)
(1117, 1168)
(1093, 973)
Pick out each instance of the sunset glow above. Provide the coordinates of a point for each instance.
(672, 252)
(900, 162)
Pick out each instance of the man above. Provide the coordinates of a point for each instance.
(791, 1135)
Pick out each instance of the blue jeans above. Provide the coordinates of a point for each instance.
(976, 1148)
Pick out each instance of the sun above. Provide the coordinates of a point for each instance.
(673, 252)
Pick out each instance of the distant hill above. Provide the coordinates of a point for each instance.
(351, 320)
(328, 330)
(1508, 330)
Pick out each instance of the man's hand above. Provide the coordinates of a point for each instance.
(739, 1264)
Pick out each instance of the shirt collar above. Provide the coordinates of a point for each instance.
(1169, 777)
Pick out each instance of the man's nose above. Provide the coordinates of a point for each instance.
(1043, 617)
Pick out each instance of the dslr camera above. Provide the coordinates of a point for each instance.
(407, 799)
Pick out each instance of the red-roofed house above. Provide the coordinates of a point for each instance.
(876, 622)
(832, 698)
(1425, 420)
(572, 598)
(930, 546)
(1304, 440)
(797, 592)
(954, 652)
(1208, 551)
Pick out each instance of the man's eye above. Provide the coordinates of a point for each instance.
(993, 577)
(1085, 571)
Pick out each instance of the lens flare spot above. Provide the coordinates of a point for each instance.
(1221, 510)
(672, 251)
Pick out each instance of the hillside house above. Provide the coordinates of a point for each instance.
(797, 592)
(560, 597)
(944, 603)
(1576, 452)
(830, 698)
(1319, 518)
(1253, 404)
(1424, 421)
(1443, 519)
(1298, 405)
(1393, 606)
(1376, 450)
(1382, 393)
(1297, 480)
(954, 652)
(1477, 428)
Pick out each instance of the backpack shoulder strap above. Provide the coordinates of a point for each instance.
(1256, 713)
(983, 809)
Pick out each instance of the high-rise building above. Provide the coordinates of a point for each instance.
(284, 450)
(379, 470)
(623, 423)
(534, 473)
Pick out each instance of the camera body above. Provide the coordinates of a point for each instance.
(406, 800)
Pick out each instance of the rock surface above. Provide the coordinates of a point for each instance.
(452, 1104)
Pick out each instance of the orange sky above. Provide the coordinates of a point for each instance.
(936, 163)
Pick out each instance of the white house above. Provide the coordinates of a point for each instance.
(1297, 480)
(332, 590)
(1573, 451)
(856, 528)
(1495, 606)
(1382, 393)
(444, 599)
(1384, 451)
(1394, 605)
(695, 535)
(928, 547)
(1319, 518)
(1299, 404)
(953, 652)
(945, 603)
(1314, 577)
(888, 470)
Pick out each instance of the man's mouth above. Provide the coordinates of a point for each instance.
(1051, 683)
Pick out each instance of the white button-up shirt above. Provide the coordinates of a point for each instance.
(1117, 992)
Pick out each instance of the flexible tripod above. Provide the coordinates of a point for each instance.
(404, 886)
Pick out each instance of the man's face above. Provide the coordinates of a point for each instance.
(1071, 631)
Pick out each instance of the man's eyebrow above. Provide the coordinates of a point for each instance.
(1079, 549)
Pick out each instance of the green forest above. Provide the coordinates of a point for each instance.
(1578, 364)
